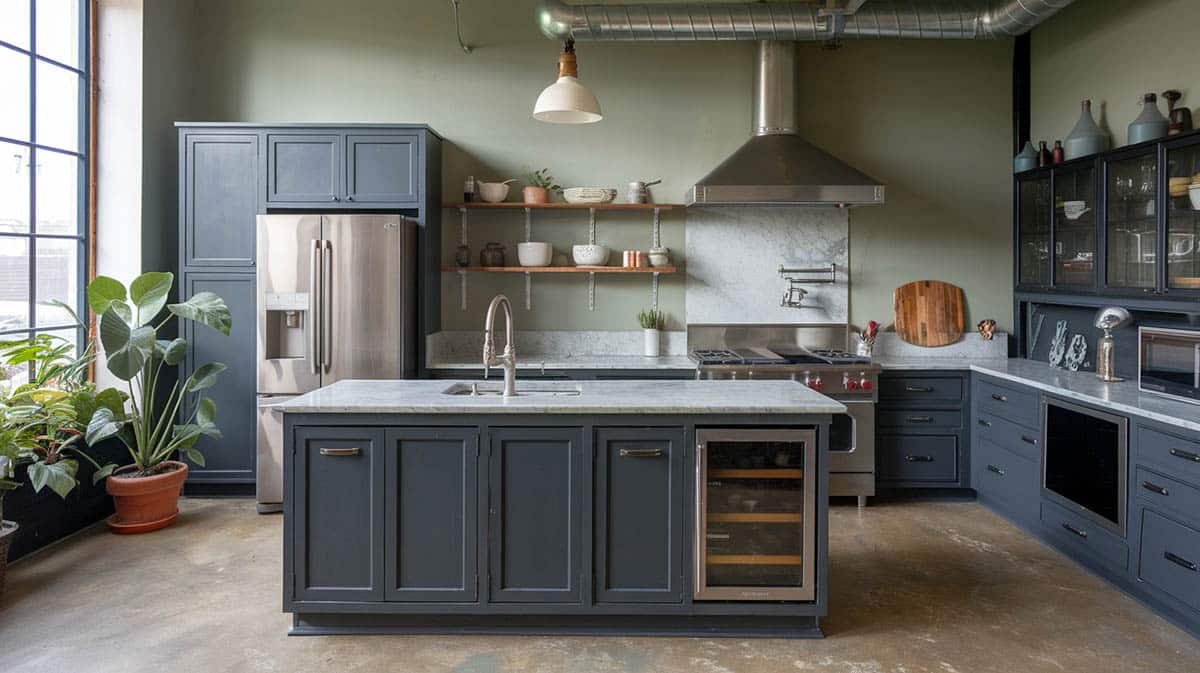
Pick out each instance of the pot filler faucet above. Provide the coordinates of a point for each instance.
(509, 359)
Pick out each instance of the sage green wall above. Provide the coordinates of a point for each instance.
(1112, 51)
(930, 120)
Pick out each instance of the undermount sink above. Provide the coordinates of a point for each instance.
(528, 390)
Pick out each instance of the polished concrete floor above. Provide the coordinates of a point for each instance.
(939, 587)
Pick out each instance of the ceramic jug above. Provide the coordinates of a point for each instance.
(1087, 137)
(1027, 159)
(1150, 124)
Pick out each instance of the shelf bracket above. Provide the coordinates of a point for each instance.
(528, 224)
(591, 290)
(591, 226)
(654, 232)
(463, 233)
(654, 291)
(462, 290)
(528, 291)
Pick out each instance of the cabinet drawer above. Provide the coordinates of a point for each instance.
(1014, 404)
(1169, 557)
(1167, 493)
(1008, 435)
(1078, 532)
(917, 419)
(1006, 480)
(1176, 455)
(918, 458)
(912, 389)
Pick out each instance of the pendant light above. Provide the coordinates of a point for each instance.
(567, 101)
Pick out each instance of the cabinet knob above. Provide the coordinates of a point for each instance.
(349, 198)
(333, 198)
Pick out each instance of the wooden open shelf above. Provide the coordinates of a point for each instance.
(754, 560)
(562, 269)
(777, 473)
(506, 205)
(751, 517)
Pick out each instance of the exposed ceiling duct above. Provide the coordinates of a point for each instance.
(797, 21)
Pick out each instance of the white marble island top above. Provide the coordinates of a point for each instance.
(595, 397)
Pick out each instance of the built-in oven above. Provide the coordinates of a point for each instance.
(1085, 461)
(755, 527)
(1169, 362)
(852, 450)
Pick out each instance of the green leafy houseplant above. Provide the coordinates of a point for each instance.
(651, 319)
(135, 355)
(541, 178)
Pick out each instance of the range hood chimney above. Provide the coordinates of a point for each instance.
(776, 166)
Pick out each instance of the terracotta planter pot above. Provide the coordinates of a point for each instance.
(8, 530)
(145, 504)
(535, 194)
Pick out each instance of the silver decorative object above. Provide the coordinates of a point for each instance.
(1108, 319)
(1076, 353)
(1058, 347)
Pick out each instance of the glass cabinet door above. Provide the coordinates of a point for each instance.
(1033, 231)
(1183, 218)
(1075, 227)
(1131, 223)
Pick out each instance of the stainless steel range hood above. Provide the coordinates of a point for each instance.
(776, 166)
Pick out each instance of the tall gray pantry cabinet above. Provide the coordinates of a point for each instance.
(229, 173)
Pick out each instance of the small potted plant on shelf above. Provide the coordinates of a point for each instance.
(146, 492)
(652, 323)
(539, 184)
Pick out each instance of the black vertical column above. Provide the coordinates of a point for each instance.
(1020, 94)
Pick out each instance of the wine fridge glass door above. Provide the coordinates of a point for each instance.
(755, 510)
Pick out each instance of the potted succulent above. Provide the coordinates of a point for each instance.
(652, 323)
(146, 492)
(539, 184)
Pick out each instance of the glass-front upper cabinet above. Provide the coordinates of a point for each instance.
(1131, 222)
(1183, 218)
(1075, 211)
(1033, 231)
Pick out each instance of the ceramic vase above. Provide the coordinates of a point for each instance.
(1026, 160)
(1087, 137)
(650, 343)
(1150, 124)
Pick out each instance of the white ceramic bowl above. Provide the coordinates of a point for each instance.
(590, 255)
(1194, 196)
(493, 192)
(589, 195)
(534, 254)
(660, 256)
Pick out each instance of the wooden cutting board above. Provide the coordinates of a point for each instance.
(929, 312)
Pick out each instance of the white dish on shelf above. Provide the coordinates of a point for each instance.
(1194, 196)
(590, 255)
(589, 195)
(534, 253)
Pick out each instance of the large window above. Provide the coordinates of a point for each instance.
(43, 165)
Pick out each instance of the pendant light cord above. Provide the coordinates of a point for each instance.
(458, 29)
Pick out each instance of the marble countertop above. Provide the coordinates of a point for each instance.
(1122, 396)
(530, 361)
(944, 363)
(597, 397)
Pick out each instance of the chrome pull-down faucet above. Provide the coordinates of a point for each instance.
(508, 360)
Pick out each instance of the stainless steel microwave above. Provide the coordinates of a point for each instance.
(1169, 362)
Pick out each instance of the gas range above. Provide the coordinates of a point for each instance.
(834, 372)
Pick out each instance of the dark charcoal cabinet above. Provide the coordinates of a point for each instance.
(219, 199)
(535, 506)
(230, 459)
(338, 514)
(382, 168)
(303, 168)
(432, 530)
(920, 439)
(639, 515)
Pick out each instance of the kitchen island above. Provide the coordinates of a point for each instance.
(573, 507)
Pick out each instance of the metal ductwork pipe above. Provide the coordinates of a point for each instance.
(797, 21)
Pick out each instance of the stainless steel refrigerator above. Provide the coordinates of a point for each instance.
(336, 300)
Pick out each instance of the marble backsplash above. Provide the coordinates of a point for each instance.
(889, 345)
(465, 344)
(733, 259)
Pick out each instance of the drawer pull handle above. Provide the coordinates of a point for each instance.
(983, 423)
(1073, 529)
(716, 536)
(1180, 561)
(1151, 486)
(641, 453)
(918, 389)
(350, 451)
(993, 468)
(1186, 455)
(1029, 440)
(918, 459)
(919, 419)
(999, 398)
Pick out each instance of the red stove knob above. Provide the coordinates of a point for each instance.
(817, 383)
(866, 384)
(849, 383)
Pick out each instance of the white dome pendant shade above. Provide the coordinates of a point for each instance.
(567, 101)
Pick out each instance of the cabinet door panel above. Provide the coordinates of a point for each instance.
(220, 199)
(639, 515)
(382, 168)
(535, 496)
(230, 459)
(338, 514)
(1033, 231)
(303, 168)
(1131, 223)
(431, 514)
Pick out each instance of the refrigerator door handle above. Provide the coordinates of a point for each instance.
(327, 306)
(313, 326)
